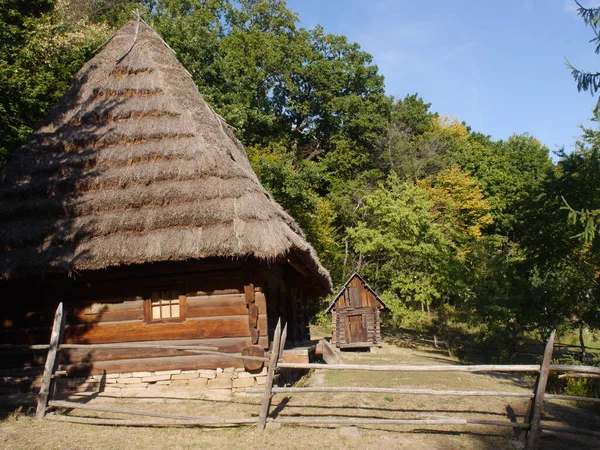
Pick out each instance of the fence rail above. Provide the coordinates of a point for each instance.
(531, 426)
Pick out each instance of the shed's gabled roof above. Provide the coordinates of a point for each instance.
(133, 166)
(347, 283)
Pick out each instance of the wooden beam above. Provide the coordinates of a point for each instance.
(149, 423)
(407, 368)
(369, 421)
(538, 402)
(266, 402)
(301, 390)
(139, 412)
(55, 338)
(571, 398)
(552, 430)
(574, 368)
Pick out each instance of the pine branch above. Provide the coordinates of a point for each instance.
(591, 17)
(588, 218)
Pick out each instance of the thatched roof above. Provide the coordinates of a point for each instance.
(132, 166)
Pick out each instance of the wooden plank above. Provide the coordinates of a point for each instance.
(370, 421)
(266, 402)
(330, 354)
(431, 392)
(282, 342)
(187, 362)
(253, 350)
(190, 349)
(574, 368)
(253, 314)
(367, 421)
(106, 312)
(579, 375)
(571, 430)
(254, 335)
(261, 301)
(200, 328)
(71, 355)
(571, 398)
(148, 423)
(139, 412)
(214, 293)
(249, 294)
(407, 368)
(55, 339)
(216, 305)
(538, 402)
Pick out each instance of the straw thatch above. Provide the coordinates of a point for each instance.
(132, 166)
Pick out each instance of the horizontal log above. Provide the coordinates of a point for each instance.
(216, 305)
(369, 421)
(407, 368)
(139, 345)
(571, 398)
(579, 375)
(550, 429)
(139, 412)
(187, 362)
(301, 390)
(105, 352)
(205, 293)
(147, 423)
(24, 347)
(574, 368)
(200, 328)
(106, 312)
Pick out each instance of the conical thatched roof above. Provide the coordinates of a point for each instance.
(132, 166)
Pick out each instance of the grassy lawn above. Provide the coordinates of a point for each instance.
(24, 432)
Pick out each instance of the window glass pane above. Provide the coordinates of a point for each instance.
(175, 309)
(155, 312)
(165, 310)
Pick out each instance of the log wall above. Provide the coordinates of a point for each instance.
(214, 310)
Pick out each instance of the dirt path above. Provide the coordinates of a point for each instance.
(27, 433)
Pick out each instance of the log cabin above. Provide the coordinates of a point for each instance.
(356, 312)
(136, 206)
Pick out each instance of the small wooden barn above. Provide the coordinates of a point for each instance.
(356, 315)
(135, 205)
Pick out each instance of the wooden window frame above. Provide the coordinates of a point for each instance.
(148, 308)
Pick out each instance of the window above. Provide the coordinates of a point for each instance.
(165, 305)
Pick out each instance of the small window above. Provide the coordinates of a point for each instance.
(164, 305)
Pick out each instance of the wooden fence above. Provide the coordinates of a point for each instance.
(531, 426)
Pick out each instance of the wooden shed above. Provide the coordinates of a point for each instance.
(135, 205)
(356, 315)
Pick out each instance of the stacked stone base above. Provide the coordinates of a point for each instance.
(168, 383)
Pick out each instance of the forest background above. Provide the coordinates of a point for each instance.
(453, 228)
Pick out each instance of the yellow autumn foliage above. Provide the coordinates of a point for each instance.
(459, 201)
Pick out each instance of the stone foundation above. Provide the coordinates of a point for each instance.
(164, 383)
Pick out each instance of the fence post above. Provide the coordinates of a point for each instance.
(266, 403)
(55, 340)
(537, 404)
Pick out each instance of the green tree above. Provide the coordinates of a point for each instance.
(42, 44)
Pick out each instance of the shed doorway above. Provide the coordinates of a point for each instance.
(355, 331)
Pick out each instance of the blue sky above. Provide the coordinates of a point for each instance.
(499, 66)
